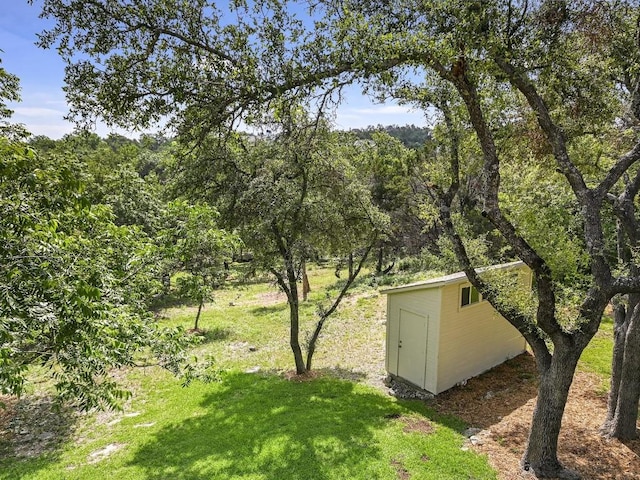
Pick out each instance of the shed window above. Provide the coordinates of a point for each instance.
(469, 296)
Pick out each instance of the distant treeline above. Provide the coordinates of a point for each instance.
(410, 135)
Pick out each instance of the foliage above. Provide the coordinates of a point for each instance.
(73, 285)
(552, 82)
(9, 91)
(268, 425)
(193, 245)
(410, 135)
(291, 195)
(271, 428)
(389, 169)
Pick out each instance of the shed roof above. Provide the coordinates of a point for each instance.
(458, 277)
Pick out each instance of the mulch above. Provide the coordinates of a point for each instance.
(501, 403)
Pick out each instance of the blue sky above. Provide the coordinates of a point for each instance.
(41, 74)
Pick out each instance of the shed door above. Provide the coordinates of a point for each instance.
(412, 347)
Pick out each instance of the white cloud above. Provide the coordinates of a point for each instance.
(373, 114)
(385, 110)
(54, 130)
(37, 112)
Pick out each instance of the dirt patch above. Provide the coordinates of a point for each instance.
(270, 298)
(292, 376)
(417, 425)
(33, 425)
(501, 403)
(401, 472)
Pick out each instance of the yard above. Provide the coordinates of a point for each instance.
(260, 422)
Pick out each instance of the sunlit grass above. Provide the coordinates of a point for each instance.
(596, 357)
(261, 425)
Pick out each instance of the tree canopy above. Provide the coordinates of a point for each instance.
(73, 285)
(292, 194)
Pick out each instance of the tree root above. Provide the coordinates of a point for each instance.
(552, 471)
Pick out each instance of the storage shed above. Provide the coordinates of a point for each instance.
(441, 332)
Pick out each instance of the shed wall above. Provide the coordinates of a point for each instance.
(472, 339)
(425, 303)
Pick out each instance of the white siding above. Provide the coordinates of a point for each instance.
(425, 303)
(473, 339)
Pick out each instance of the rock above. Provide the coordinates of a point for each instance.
(475, 440)
(252, 370)
(489, 395)
(403, 390)
(46, 436)
(470, 432)
(144, 425)
(103, 453)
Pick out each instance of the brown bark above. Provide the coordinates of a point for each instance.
(306, 287)
(294, 319)
(354, 271)
(622, 411)
(619, 335)
(289, 285)
(557, 369)
(540, 456)
(195, 327)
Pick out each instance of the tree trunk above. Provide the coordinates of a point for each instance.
(195, 327)
(306, 288)
(294, 319)
(541, 454)
(294, 338)
(620, 325)
(166, 283)
(622, 412)
(354, 271)
(380, 261)
(311, 349)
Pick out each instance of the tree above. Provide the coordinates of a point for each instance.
(554, 71)
(197, 249)
(388, 168)
(9, 91)
(73, 285)
(291, 195)
(411, 136)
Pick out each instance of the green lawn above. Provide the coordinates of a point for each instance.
(596, 357)
(261, 425)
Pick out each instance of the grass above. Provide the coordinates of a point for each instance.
(261, 425)
(596, 357)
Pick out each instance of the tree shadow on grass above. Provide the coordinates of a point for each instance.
(212, 335)
(263, 426)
